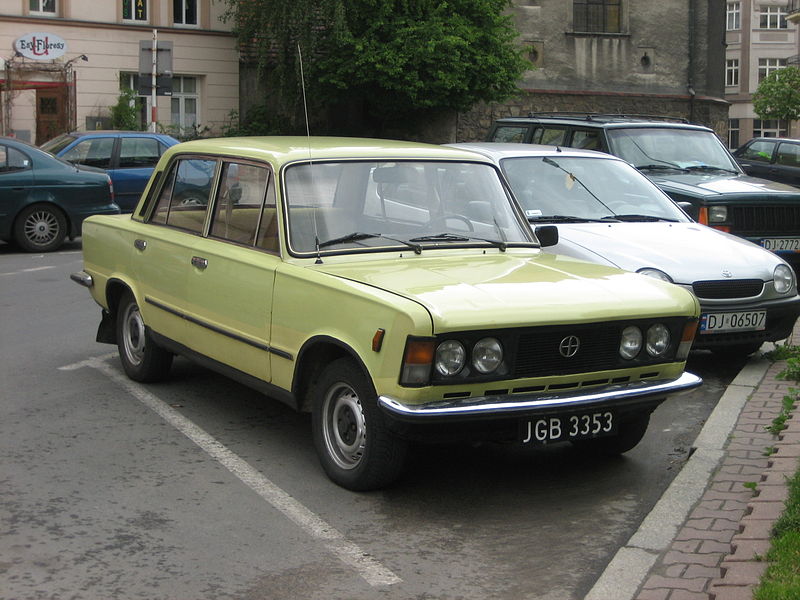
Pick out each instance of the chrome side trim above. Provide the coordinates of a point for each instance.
(82, 278)
(513, 404)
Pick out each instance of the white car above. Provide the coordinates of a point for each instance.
(608, 212)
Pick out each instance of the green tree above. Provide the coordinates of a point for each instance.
(391, 61)
(124, 114)
(778, 95)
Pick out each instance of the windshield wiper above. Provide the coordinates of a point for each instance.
(566, 219)
(453, 237)
(665, 167)
(710, 168)
(357, 236)
(634, 217)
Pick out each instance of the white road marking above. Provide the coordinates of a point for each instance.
(31, 270)
(368, 568)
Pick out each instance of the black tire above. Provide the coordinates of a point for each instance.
(354, 445)
(630, 434)
(141, 358)
(40, 228)
(737, 350)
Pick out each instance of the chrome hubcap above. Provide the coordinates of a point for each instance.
(345, 429)
(133, 336)
(41, 227)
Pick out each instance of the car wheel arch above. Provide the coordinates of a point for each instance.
(315, 354)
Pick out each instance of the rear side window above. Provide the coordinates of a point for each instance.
(788, 154)
(759, 151)
(139, 152)
(12, 159)
(550, 136)
(586, 139)
(509, 134)
(95, 152)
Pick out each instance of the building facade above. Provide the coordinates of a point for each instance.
(64, 63)
(662, 57)
(760, 40)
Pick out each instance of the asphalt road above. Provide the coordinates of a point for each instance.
(199, 488)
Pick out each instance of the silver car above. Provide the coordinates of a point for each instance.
(609, 213)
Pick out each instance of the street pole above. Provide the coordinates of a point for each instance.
(153, 76)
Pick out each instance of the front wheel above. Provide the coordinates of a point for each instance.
(40, 228)
(354, 445)
(630, 434)
(141, 358)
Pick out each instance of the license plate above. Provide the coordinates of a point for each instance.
(751, 320)
(781, 244)
(558, 428)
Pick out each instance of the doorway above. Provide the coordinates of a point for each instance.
(51, 113)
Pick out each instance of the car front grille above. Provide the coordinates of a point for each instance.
(538, 351)
(764, 220)
(720, 290)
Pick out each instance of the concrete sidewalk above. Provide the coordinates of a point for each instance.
(703, 538)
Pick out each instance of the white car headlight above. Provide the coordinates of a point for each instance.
(783, 278)
(487, 354)
(657, 340)
(450, 357)
(631, 342)
(655, 274)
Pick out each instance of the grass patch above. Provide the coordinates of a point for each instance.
(781, 580)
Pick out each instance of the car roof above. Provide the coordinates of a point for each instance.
(499, 150)
(605, 121)
(286, 149)
(774, 139)
(118, 133)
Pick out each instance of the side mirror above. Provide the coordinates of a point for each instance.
(547, 235)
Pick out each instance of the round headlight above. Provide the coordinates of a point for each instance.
(450, 357)
(657, 339)
(487, 354)
(655, 274)
(631, 342)
(784, 279)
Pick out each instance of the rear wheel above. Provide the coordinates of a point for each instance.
(630, 434)
(141, 358)
(355, 447)
(40, 228)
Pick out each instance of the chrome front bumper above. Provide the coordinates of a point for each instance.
(517, 405)
(82, 278)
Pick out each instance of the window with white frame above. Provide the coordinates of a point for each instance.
(732, 72)
(772, 17)
(185, 104)
(769, 65)
(141, 104)
(134, 10)
(733, 133)
(46, 7)
(770, 127)
(733, 15)
(184, 12)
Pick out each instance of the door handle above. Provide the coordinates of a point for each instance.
(140, 244)
(199, 262)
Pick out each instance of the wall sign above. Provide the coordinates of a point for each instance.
(40, 46)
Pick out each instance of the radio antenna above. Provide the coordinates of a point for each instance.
(310, 159)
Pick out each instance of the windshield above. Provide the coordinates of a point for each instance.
(556, 188)
(407, 204)
(653, 148)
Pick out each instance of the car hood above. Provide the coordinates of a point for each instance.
(687, 252)
(515, 290)
(709, 185)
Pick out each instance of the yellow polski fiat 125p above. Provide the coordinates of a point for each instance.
(392, 289)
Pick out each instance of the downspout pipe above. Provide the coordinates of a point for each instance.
(691, 68)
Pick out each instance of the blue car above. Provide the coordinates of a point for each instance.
(44, 200)
(129, 157)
